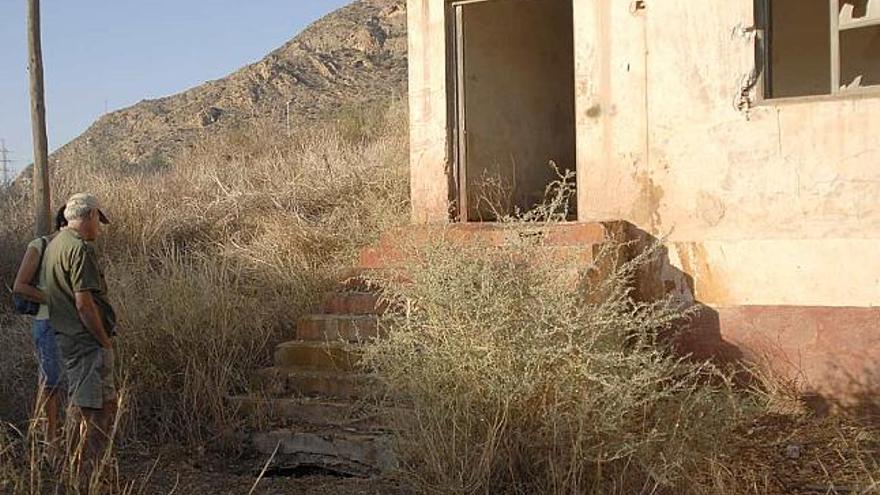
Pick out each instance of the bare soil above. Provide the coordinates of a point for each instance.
(802, 455)
(180, 473)
(774, 455)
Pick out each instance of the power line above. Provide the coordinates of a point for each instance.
(5, 162)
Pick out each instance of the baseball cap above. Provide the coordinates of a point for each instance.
(80, 200)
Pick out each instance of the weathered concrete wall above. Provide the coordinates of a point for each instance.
(429, 143)
(519, 92)
(708, 172)
(659, 137)
(610, 108)
(769, 207)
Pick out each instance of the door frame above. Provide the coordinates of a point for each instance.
(457, 104)
(458, 131)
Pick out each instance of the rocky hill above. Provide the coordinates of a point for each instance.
(354, 56)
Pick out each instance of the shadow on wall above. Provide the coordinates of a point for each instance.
(859, 387)
(828, 356)
(701, 335)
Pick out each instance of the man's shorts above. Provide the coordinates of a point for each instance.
(47, 353)
(90, 377)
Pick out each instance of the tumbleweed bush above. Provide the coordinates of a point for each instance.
(515, 374)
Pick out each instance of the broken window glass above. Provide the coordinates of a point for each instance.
(860, 57)
(809, 52)
(799, 48)
(858, 11)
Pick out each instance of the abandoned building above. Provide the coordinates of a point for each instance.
(746, 133)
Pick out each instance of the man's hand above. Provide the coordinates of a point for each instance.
(91, 318)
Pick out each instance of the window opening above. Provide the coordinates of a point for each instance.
(821, 47)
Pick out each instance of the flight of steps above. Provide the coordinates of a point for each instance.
(319, 407)
(320, 410)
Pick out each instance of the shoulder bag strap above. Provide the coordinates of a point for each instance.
(44, 243)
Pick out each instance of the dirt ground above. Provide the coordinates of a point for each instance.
(774, 455)
(785, 455)
(175, 473)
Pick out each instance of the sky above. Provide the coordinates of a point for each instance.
(102, 55)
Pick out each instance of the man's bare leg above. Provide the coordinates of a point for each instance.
(109, 410)
(94, 439)
(52, 409)
(98, 428)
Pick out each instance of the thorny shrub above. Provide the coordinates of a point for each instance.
(515, 375)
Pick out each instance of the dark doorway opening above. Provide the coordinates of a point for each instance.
(512, 67)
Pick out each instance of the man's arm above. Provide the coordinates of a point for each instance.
(26, 273)
(90, 315)
(85, 278)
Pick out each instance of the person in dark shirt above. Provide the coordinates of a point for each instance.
(83, 319)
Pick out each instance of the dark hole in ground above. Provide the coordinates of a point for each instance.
(305, 471)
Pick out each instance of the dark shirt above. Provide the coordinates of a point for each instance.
(70, 266)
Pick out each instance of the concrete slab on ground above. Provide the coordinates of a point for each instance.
(354, 453)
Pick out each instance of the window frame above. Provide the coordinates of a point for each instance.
(764, 40)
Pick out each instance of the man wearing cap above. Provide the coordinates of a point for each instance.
(83, 318)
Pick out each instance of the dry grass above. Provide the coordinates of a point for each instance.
(211, 259)
(516, 380)
(18, 373)
(30, 464)
(509, 378)
(520, 381)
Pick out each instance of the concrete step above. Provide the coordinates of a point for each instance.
(569, 262)
(502, 234)
(563, 237)
(334, 328)
(296, 382)
(377, 257)
(366, 279)
(353, 303)
(317, 355)
(351, 453)
(310, 412)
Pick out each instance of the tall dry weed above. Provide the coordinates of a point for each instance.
(31, 463)
(212, 257)
(514, 379)
(18, 382)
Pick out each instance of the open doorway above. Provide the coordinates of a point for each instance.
(512, 71)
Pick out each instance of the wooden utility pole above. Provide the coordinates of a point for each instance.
(38, 120)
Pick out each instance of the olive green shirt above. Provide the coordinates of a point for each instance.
(70, 265)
